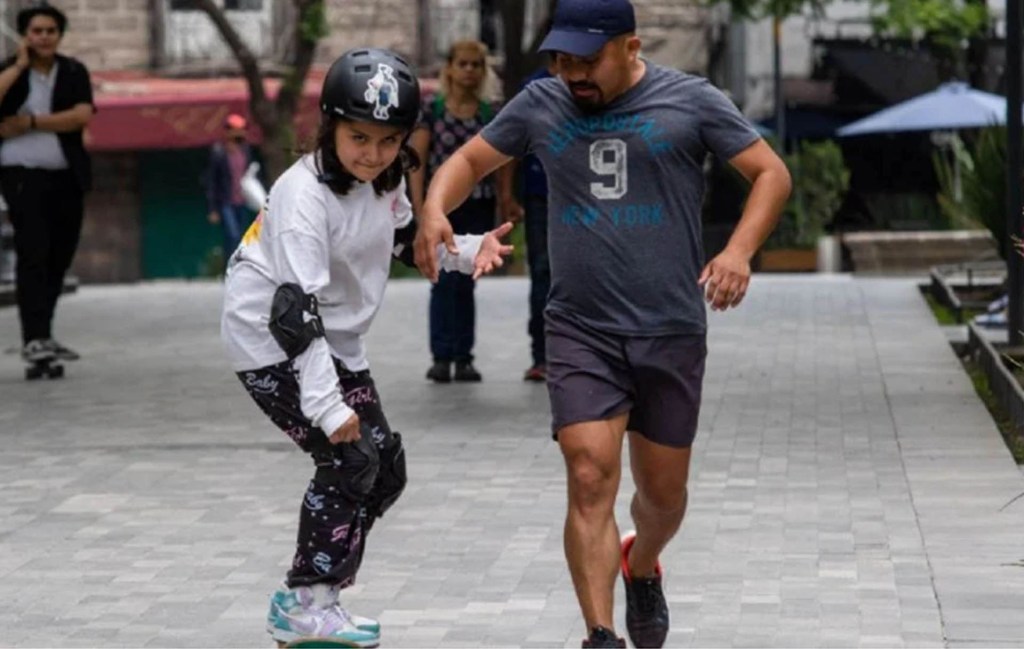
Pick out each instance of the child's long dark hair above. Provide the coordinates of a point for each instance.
(335, 176)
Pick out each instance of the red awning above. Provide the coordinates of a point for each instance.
(139, 112)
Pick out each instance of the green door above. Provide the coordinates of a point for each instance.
(177, 240)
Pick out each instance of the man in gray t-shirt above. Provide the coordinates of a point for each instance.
(623, 142)
(627, 186)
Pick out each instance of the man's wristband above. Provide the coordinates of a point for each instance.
(32, 122)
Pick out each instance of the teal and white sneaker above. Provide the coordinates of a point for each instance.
(360, 622)
(314, 612)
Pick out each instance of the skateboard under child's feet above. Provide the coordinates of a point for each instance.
(50, 368)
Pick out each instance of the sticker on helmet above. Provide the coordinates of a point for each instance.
(382, 91)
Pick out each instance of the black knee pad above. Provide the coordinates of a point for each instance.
(391, 478)
(353, 468)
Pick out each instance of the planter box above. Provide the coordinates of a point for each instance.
(881, 253)
(788, 260)
(1001, 380)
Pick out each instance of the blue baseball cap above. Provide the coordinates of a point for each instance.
(582, 27)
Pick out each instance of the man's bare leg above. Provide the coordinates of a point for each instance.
(659, 504)
(593, 459)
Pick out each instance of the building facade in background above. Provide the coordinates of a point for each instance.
(163, 80)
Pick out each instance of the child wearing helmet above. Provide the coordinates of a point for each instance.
(301, 291)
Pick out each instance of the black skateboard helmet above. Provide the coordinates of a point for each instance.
(372, 85)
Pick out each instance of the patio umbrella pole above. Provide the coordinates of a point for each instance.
(1014, 263)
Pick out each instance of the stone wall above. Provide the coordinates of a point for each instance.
(376, 23)
(115, 34)
(674, 33)
(107, 34)
(109, 250)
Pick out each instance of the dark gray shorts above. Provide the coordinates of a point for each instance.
(594, 375)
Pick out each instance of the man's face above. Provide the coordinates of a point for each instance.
(42, 36)
(596, 80)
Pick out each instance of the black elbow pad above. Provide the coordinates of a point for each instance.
(294, 319)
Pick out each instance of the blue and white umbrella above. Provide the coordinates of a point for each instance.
(951, 106)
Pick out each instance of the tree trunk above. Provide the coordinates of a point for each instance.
(157, 28)
(424, 32)
(520, 63)
(278, 151)
(275, 116)
(512, 20)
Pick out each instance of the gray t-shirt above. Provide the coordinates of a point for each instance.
(626, 187)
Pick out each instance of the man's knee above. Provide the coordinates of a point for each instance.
(592, 482)
(662, 498)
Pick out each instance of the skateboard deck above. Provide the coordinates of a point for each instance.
(50, 368)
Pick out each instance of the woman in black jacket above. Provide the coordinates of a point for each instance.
(45, 104)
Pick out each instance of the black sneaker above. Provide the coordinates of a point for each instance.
(440, 372)
(646, 608)
(466, 373)
(602, 637)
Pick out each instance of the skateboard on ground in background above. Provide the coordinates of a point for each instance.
(50, 368)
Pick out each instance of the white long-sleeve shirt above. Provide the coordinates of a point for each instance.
(338, 248)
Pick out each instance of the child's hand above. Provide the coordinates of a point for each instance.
(491, 251)
(347, 432)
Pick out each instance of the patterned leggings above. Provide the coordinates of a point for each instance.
(332, 528)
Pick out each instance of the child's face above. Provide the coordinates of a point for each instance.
(366, 149)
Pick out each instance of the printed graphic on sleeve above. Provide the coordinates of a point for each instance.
(253, 233)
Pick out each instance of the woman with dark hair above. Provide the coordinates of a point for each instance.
(301, 291)
(45, 104)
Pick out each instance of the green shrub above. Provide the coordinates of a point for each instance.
(820, 182)
(982, 200)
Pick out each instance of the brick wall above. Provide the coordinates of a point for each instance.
(673, 33)
(377, 23)
(109, 249)
(115, 34)
(107, 34)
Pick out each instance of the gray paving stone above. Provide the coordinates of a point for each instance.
(847, 487)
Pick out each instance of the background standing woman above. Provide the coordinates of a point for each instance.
(449, 119)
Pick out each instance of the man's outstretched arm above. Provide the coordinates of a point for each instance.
(451, 185)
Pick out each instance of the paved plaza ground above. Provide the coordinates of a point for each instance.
(848, 489)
